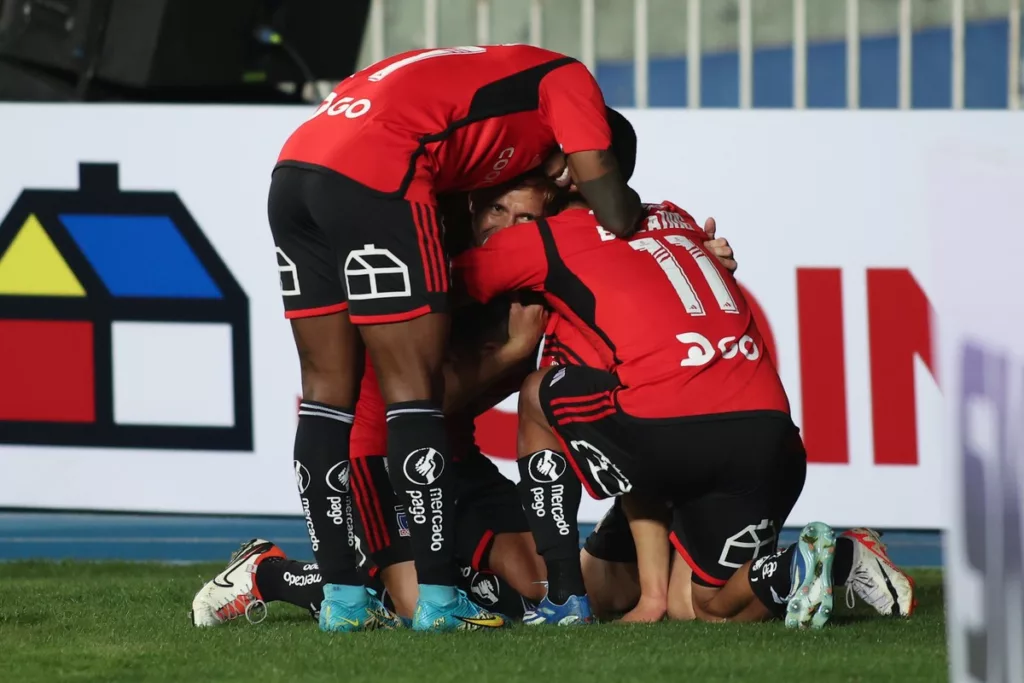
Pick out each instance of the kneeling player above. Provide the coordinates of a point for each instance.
(705, 425)
(609, 564)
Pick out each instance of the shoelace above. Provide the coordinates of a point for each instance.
(255, 610)
(862, 579)
(870, 592)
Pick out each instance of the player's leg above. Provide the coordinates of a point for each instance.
(567, 408)
(396, 275)
(648, 524)
(551, 495)
(873, 576)
(397, 284)
(300, 206)
(235, 592)
(761, 466)
(608, 561)
(680, 590)
(386, 530)
(492, 533)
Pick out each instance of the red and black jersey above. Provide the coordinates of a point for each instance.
(565, 344)
(452, 119)
(657, 308)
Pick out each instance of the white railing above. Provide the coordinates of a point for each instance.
(641, 52)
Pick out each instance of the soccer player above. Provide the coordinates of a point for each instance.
(609, 564)
(694, 412)
(498, 561)
(352, 209)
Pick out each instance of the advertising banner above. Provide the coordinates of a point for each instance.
(139, 285)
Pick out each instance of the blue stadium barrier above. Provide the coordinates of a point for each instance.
(60, 536)
(986, 67)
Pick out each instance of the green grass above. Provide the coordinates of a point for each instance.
(115, 622)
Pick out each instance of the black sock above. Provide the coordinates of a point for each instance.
(771, 579)
(291, 581)
(424, 481)
(551, 495)
(493, 593)
(842, 565)
(322, 475)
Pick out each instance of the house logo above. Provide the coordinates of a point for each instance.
(120, 326)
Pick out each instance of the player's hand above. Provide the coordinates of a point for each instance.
(525, 326)
(719, 247)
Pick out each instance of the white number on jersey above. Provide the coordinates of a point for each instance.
(674, 272)
(429, 54)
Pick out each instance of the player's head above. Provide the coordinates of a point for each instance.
(520, 200)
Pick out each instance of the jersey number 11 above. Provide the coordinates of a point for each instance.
(674, 272)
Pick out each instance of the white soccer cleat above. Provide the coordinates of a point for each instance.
(233, 592)
(874, 577)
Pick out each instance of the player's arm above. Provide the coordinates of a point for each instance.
(648, 522)
(572, 103)
(615, 204)
(511, 260)
(468, 376)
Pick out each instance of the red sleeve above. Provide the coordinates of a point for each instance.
(511, 259)
(572, 104)
(370, 428)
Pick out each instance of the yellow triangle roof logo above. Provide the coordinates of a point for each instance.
(32, 266)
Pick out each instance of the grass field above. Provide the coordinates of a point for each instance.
(125, 622)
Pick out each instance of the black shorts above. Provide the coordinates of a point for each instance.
(611, 540)
(343, 246)
(732, 479)
(487, 504)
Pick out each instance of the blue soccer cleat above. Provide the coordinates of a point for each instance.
(810, 599)
(460, 614)
(576, 610)
(347, 609)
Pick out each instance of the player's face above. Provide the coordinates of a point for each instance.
(521, 205)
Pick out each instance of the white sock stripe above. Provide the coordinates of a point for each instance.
(406, 411)
(342, 417)
(429, 413)
(323, 409)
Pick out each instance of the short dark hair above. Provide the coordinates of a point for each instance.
(623, 142)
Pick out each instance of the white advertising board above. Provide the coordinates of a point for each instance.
(192, 408)
(982, 349)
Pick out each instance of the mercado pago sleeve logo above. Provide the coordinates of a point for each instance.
(120, 326)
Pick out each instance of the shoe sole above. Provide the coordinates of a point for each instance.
(811, 604)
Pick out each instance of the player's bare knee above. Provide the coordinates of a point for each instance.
(529, 396)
